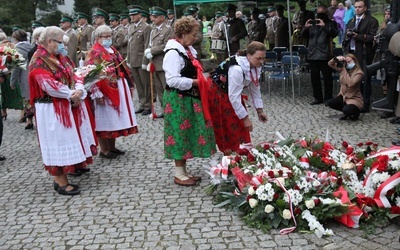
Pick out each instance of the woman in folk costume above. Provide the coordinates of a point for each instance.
(187, 124)
(114, 112)
(231, 122)
(63, 124)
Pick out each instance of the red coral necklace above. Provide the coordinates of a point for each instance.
(255, 81)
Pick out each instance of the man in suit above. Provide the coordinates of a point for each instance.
(360, 34)
(84, 34)
(159, 36)
(236, 30)
(282, 28)
(66, 26)
(139, 35)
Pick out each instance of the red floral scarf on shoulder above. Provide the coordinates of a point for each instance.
(58, 68)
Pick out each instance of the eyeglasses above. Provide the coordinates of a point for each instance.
(260, 58)
(108, 36)
(60, 42)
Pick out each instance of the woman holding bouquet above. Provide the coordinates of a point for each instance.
(349, 100)
(62, 120)
(114, 112)
(230, 118)
(187, 125)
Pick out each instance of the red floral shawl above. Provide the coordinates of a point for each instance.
(109, 87)
(59, 70)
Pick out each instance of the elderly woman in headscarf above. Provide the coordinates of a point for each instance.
(114, 112)
(62, 120)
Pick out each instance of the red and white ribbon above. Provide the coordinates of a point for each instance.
(380, 193)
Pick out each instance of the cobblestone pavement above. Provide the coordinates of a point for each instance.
(132, 202)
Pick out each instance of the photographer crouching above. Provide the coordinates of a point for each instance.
(349, 100)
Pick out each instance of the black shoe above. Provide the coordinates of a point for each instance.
(76, 173)
(315, 102)
(386, 114)
(109, 155)
(84, 170)
(396, 142)
(343, 118)
(139, 111)
(160, 116)
(56, 186)
(394, 119)
(365, 110)
(29, 126)
(63, 191)
(397, 121)
(117, 152)
(146, 112)
(2, 158)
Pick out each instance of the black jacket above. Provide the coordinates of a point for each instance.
(320, 40)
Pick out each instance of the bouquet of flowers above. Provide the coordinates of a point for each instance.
(90, 74)
(299, 184)
(10, 58)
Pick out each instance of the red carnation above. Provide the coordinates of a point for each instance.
(349, 150)
(345, 144)
(271, 174)
(339, 181)
(238, 158)
(296, 187)
(360, 144)
(280, 172)
(266, 146)
(297, 211)
(276, 196)
(360, 168)
(395, 210)
(277, 154)
(317, 202)
(369, 143)
(250, 157)
(8, 58)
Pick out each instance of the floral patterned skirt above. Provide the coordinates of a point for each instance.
(56, 171)
(229, 130)
(186, 133)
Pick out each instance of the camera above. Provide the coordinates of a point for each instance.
(350, 33)
(314, 22)
(339, 64)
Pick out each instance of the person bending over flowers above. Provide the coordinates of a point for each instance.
(231, 122)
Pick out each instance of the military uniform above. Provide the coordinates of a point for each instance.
(84, 36)
(159, 37)
(139, 35)
(72, 44)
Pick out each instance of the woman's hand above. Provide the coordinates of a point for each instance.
(247, 123)
(262, 117)
(76, 104)
(100, 101)
(76, 96)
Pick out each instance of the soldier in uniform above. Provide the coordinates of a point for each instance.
(145, 16)
(219, 33)
(282, 28)
(36, 24)
(100, 17)
(256, 28)
(236, 30)
(66, 25)
(270, 22)
(171, 17)
(116, 28)
(84, 33)
(192, 11)
(159, 36)
(299, 20)
(139, 35)
(121, 43)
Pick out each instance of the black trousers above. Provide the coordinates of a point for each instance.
(349, 110)
(316, 67)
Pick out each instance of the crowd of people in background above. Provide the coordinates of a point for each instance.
(160, 55)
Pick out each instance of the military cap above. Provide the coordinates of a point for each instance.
(144, 13)
(271, 8)
(150, 11)
(66, 18)
(219, 14)
(82, 15)
(193, 8)
(36, 24)
(158, 11)
(170, 11)
(113, 17)
(256, 11)
(231, 7)
(100, 12)
(134, 9)
(123, 15)
(16, 27)
(187, 13)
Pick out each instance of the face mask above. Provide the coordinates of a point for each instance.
(64, 52)
(60, 49)
(107, 43)
(350, 65)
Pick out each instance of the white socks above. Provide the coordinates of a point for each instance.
(180, 173)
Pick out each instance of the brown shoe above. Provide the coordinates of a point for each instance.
(187, 183)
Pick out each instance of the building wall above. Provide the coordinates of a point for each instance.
(66, 6)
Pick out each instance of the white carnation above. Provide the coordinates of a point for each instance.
(286, 214)
(310, 204)
(251, 191)
(269, 209)
(253, 202)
